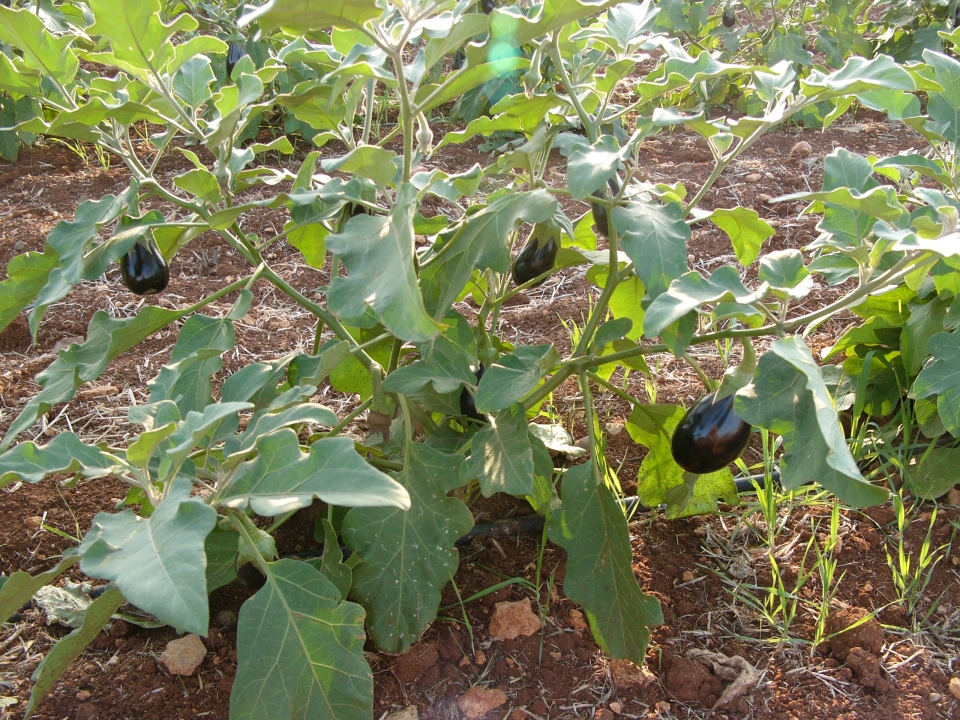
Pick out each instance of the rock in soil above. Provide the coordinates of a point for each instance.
(628, 676)
(848, 634)
(410, 712)
(184, 655)
(512, 619)
(576, 620)
(478, 701)
(86, 711)
(689, 681)
(866, 668)
(955, 687)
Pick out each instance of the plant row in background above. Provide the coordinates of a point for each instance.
(457, 398)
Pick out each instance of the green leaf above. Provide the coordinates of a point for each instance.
(53, 57)
(202, 183)
(445, 362)
(788, 397)
(192, 81)
(301, 16)
(106, 338)
(26, 276)
(282, 478)
(501, 458)
(367, 161)
(31, 463)
(20, 586)
(692, 290)
(69, 648)
(378, 253)
(590, 166)
(513, 376)
(926, 319)
(625, 303)
(660, 479)
(141, 41)
(408, 555)
(786, 274)
(942, 378)
(267, 421)
(746, 229)
(300, 651)
(310, 241)
(592, 528)
(159, 563)
(221, 551)
(944, 106)
(331, 562)
(655, 238)
(936, 473)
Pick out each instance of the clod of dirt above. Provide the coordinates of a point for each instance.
(866, 668)
(225, 619)
(689, 681)
(478, 701)
(953, 496)
(575, 620)
(628, 676)
(120, 628)
(955, 687)
(847, 633)
(86, 711)
(414, 664)
(743, 675)
(753, 178)
(184, 655)
(410, 712)
(512, 619)
(800, 150)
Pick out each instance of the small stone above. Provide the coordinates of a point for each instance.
(691, 258)
(184, 655)
(518, 714)
(687, 576)
(955, 687)
(583, 443)
(800, 150)
(149, 667)
(685, 167)
(120, 628)
(770, 176)
(512, 619)
(86, 711)
(614, 428)
(934, 697)
(410, 712)
(616, 707)
(19, 246)
(83, 695)
(225, 619)
(575, 620)
(33, 521)
(464, 661)
(555, 655)
(764, 199)
(478, 701)
(480, 658)
(629, 676)
(953, 496)
(753, 178)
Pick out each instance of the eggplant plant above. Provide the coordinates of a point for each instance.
(458, 397)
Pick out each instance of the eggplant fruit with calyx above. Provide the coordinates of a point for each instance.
(710, 436)
(601, 217)
(235, 51)
(729, 18)
(468, 403)
(143, 269)
(538, 255)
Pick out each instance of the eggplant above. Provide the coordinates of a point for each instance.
(487, 6)
(144, 270)
(710, 436)
(235, 51)
(729, 18)
(538, 255)
(468, 403)
(600, 217)
(459, 59)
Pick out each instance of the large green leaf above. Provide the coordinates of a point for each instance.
(72, 646)
(690, 291)
(660, 479)
(159, 563)
(944, 106)
(513, 376)
(501, 457)
(300, 16)
(655, 238)
(444, 362)
(378, 253)
(942, 378)
(300, 651)
(788, 397)
(408, 555)
(589, 167)
(141, 41)
(29, 462)
(107, 337)
(52, 56)
(592, 528)
(282, 478)
(26, 276)
(936, 473)
(747, 231)
(925, 321)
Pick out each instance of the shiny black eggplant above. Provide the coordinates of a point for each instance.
(710, 436)
(144, 270)
(468, 403)
(600, 215)
(487, 6)
(537, 256)
(235, 51)
(729, 18)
